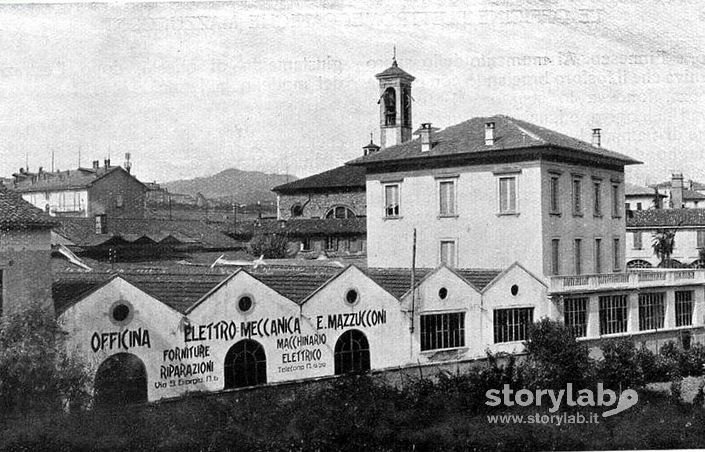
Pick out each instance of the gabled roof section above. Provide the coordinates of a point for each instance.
(397, 281)
(295, 283)
(509, 269)
(349, 178)
(16, 213)
(692, 195)
(65, 180)
(639, 190)
(467, 139)
(658, 218)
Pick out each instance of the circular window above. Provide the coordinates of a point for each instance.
(351, 296)
(121, 312)
(244, 304)
(515, 289)
(442, 293)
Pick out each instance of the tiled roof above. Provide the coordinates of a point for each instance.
(181, 288)
(62, 180)
(692, 195)
(690, 184)
(397, 281)
(16, 213)
(81, 231)
(315, 226)
(638, 190)
(468, 139)
(394, 71)
(341, 178)
(666, 218)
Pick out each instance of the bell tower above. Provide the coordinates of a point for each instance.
(394, 105)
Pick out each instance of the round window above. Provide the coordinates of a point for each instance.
(351, 296)
(244, 304)
(515, 289)
(442, 293)
(121, 312)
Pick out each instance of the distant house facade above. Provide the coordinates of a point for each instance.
(642, 198)
(680, 193)
(25, 253)
(85, 192)
(688, 226)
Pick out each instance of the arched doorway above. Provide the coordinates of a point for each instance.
(352, 353)
(245, 365)
(120, 380)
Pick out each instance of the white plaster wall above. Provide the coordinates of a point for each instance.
(462, 297)
(61, 201)
(532, 293)
(685, 250)
(389, 341)
(92, 316)
(221, 306)
(484, 238)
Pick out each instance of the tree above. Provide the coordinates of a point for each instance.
(663, 242)
(271, 246)
(555, 357)
(36, 373)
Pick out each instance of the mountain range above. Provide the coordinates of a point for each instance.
(232, 184)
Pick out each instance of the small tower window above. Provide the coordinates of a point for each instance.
(406, 106)
(340, 212)
(390, 107)
(297, 210)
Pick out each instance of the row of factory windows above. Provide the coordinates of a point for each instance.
(613, 312)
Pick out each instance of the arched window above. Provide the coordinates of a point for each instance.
(698, 264)
(352, 353)
(390, 106)
(120, 380)
(245, 365)
(406, 106)
(340, 212)
(297, 210)
(638, 263)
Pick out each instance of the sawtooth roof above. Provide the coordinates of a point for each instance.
(182, 288)
(16, 213)
(81, 232)
(340, 178)
(314, 226)
(468, 139)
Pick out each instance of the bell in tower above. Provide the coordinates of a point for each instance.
(395, 105)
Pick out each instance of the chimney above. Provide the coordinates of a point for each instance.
(489, 134)
(597, 137)
(426, 134)
(128, 164)
(96, 164)
(677, 191)
(107, 163)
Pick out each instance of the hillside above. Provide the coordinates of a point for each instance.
(232, 184)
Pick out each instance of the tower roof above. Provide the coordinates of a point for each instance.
(394, 71)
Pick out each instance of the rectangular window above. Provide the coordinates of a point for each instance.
(306, 244)
(512, 325)
(331, 243)
(684, 307)
(701, 239)
(391, 200)
(555, 257)
(554, 194)
(100, 224)
(507, 194)
(448, 253)
(652, 309)
(598, 256)
(577, 247)
(617, 255)
(575, 315)
(441, 331)
(118, 201)
(613, 314)
(636, 235)
(597, 204)
(638, 206)
(615, 200)
(577, 196)
(446, 190)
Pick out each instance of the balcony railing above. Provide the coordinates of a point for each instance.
(630, 280)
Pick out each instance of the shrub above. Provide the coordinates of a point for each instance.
(619, 367)
(271, 246)
(555, 358)
(36, 374)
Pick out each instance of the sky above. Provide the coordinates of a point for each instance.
(190, 89)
